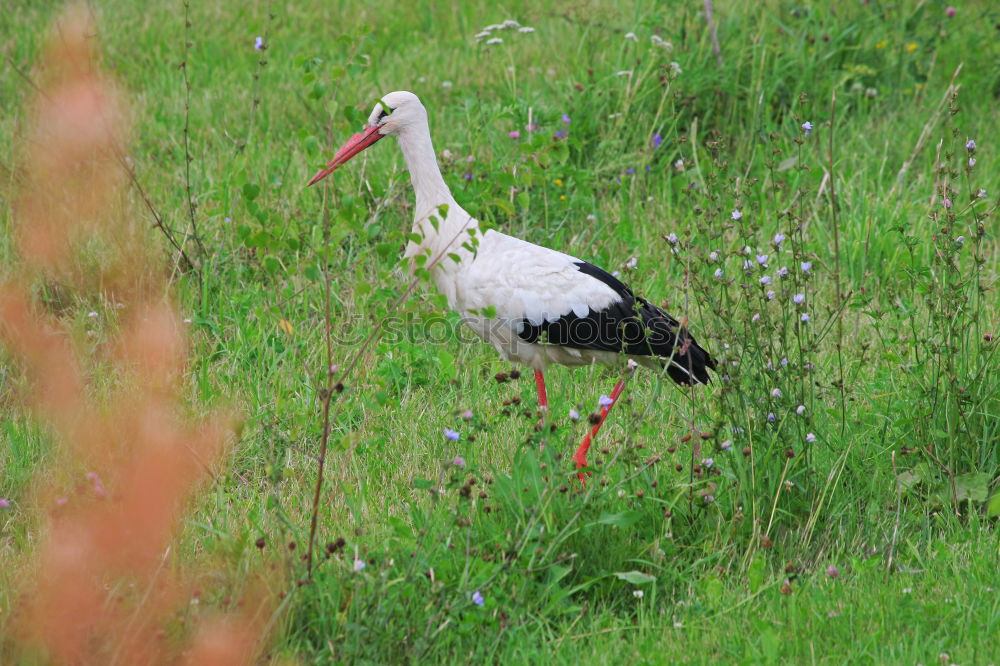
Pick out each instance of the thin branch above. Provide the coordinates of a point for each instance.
(836, 269)
(187, 131)
(129, 171)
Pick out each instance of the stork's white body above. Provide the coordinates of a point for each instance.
(521, 280)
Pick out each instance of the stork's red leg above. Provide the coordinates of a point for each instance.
(543, 400)
(580, 457)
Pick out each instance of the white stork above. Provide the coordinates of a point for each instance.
(549, 307)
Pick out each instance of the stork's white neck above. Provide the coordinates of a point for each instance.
(431, 192)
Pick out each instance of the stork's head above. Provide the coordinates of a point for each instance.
(394, 114)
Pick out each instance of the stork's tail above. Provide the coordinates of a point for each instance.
(690, 363)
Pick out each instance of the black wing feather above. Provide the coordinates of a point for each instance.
(630, 325)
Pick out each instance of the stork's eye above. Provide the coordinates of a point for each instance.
(382, 114)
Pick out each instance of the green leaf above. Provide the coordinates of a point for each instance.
(756, 573)
(251, 191)
(973, 486)
(623, 519)
(504, 205)
(635, 577)
(271, 264)
(422, 484)
(490, 311)
(711, 589)
(993, 508)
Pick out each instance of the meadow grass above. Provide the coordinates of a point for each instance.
(830, 498)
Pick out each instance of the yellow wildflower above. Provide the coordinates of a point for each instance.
(911, 47)
(882, 44)
(557, 181)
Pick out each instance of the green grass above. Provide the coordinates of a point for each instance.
(899, 384)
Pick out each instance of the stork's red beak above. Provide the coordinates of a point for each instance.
(354, 145)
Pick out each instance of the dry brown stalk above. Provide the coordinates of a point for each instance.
(99, 589)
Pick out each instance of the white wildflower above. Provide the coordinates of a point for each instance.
(631, 35)
(495, 40)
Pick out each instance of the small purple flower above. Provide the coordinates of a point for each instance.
(811, 438)
(755, 318)
(709, 499)
(762, 259)
(605, 401)
(630, 171)
(451, 434)
(727, 445)
(4, 503)
(657, 140)
(776, 393)
(947, 202)
(228, 220)
(981, 194)
(806, 266)
(96, 484)
(800, 410)
(808, 127)
(950, 12)
(718, 273)
(531, 127)
(770, 294)
(514, 134)
(713, 256)
(771, 418)
(563, 133)
(258, 44)
(672, 238)
(565, 119)
(477, 598)
(359, 564)
(831, 570)
(747, 265)
(784, 362)
(779, 238)
(458, 461)
(970, 144)
(467, 415)
(467, 175)
(972, 162)
(574, 415)
(707, 462)
(765, 279)
(805, 317)
(799, 299)
(736, 214)
(960, 240)
(783, 271)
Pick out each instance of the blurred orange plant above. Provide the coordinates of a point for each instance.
(99, 590)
